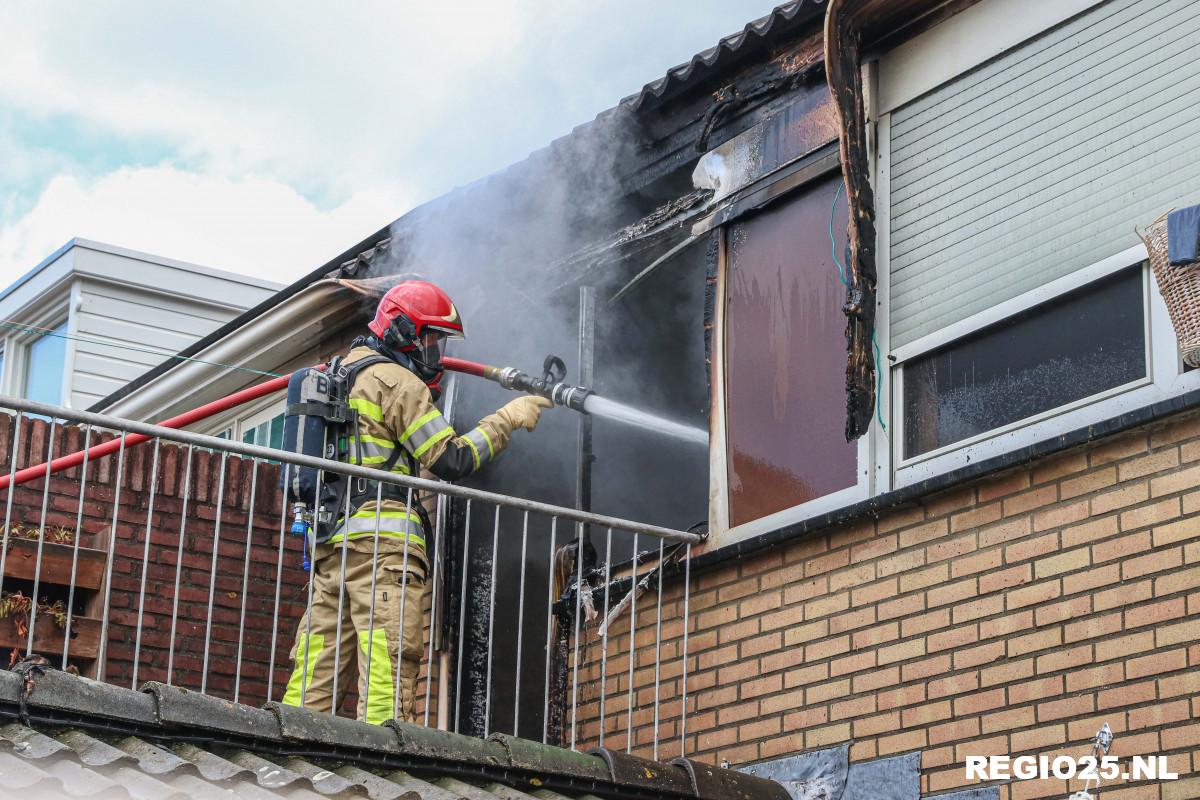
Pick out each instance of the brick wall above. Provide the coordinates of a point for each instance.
(1013, 615)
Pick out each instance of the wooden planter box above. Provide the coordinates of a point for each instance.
(21, 563)
(48, 638)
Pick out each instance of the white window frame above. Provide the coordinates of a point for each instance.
(17, 346)
(966, 40)
(238, 420)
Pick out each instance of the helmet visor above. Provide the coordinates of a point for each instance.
(430, 347)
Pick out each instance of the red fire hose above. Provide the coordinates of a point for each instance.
(184, 419)
(216, 407)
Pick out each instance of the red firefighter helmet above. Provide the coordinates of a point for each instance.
(415, 317)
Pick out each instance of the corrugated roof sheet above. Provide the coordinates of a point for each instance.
(716, 58)
(62, 736)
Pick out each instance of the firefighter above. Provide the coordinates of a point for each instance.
(401, 430)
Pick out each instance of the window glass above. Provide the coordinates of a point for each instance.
(44, 374)
(1076, 346)
(785, 356)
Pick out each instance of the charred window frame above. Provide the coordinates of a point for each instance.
(802, 218)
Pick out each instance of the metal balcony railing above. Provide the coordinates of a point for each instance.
(200, 587)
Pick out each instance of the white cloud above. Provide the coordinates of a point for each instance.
(257, 226)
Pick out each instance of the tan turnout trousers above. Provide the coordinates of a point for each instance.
(369, 637)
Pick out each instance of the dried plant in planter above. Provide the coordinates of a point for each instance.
(16, 606)
(57, 534)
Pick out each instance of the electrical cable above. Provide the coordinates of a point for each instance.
(874, 341)
(24, 328)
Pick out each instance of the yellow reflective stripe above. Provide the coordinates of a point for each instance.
(416, 425)
(400, 467)
(474, 451)
(379, 440)
(379, 667)
(432, 440)
(488, 439)
(367, 408)
(311, 651)
(412, 537)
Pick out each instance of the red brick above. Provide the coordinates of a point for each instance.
(901, 607)
(1036, 593)
(1158, 715)
(960, 683)
(873, 593)
(1003, 485)
(1060, 466)
(1184, 529)
(975, 517)
(1181, 581)
(955, 638)
(1092, 579)
(933, 529)
(979, 702)
(1066, 707)
(1120, 447)
(981, 654)
(874, 548)
(1031, 548)
(1027, 501)
(805, 590)
(954, 731)
(1089, 483)
(1168, 635)
(1073, 608)
(901, 697)
(1005, 578)
(920, 670)
(948, 501)
(1006, 625)
(951, 592)
(1090, 531)
(1178, 481)
(1155, 664)
(1005, 531)
(1152, 514)
(827, 562)
(1093, 627)
(980, 562)
(1032, 642)
(1155, 613)
(1120, 497)
(1103, 675)
(1152, 562)
(1064, 659)
(900, 518)
(1122, 547)
(1127, 695)
(1148, 464)
(983, 607)
(920, 579)
(1070, 561)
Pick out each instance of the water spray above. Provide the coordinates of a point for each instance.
(552, 385)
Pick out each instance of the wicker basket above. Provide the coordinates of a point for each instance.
(1180, 289)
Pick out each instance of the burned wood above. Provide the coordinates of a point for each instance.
(845, 84)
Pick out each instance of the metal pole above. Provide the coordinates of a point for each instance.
(604, 643)
(237, 679)
(575, 645)
(102, 655)
(549, 628)
(287, 468)
(487, 697)
(87, 440)
(12, 470)
(183, 517)
(37, 567)
(587, 363)
(658, 644)
(439, 553)
(212, 580)
(687, 589)
(310, 545)
(141, 609)
(520, 627)
(632, 646)
(341, 590)
(462, 619)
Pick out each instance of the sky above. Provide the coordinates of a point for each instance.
(267, 137)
